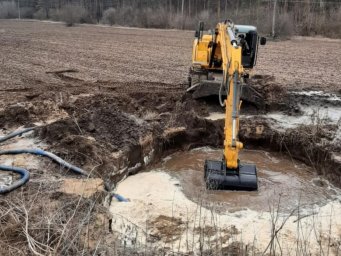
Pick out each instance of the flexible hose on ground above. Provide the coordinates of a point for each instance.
(17, 133)
(25, 176)
(40, 152)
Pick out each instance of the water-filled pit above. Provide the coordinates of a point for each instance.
(170, 205)
(279, 178)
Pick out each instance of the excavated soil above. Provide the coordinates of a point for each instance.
(113, 101)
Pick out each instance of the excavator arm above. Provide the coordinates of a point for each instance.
(231, 55)
(230, 173)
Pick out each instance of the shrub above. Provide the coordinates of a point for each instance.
(207, 18)
(8, 10)
(176, 21)
(285, 26)
(156, 18)
(26, 12)
(109, 16)
(72, 14)
(179, 22)
(127, 16)
(39, 15)
(331, 27)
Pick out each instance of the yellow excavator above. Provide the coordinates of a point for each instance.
(221, 60)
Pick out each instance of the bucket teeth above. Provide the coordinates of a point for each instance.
(217, 177)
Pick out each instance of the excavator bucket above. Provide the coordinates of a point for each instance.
(218, 177)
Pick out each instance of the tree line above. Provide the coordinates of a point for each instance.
(303, 17)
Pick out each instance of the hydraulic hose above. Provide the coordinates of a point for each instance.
(17, 133)
(50, 155)
(221, 88)
(221, 101)
(25, 176)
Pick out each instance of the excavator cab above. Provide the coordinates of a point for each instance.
(205, 75)
(248, 40)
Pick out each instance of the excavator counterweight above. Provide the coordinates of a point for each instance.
(220, 62)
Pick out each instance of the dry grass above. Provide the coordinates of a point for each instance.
(39, 220)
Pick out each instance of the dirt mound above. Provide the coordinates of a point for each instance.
(271, 95)
(100, 119)
(108, 123)
(313, 145)
(94, 132)
(58, 130)
(14, 115)
(80, 150)
(199, 131)
(26, 113)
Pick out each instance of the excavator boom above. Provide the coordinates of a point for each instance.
(225, 53)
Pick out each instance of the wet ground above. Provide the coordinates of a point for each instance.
(169, 208)
(309, 107)
(111, 101)
(280, 179)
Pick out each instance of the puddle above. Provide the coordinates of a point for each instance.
(311, 115)
(279, 178)
(315, 106)
(320, 94)
(172, 194)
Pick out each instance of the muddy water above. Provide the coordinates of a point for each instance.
(281, 181)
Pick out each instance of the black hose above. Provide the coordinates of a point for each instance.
(25, 176)
(221, 101)
(17, 133)
(40, 152)
(23, 172)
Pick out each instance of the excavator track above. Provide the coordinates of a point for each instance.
(202, 85)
